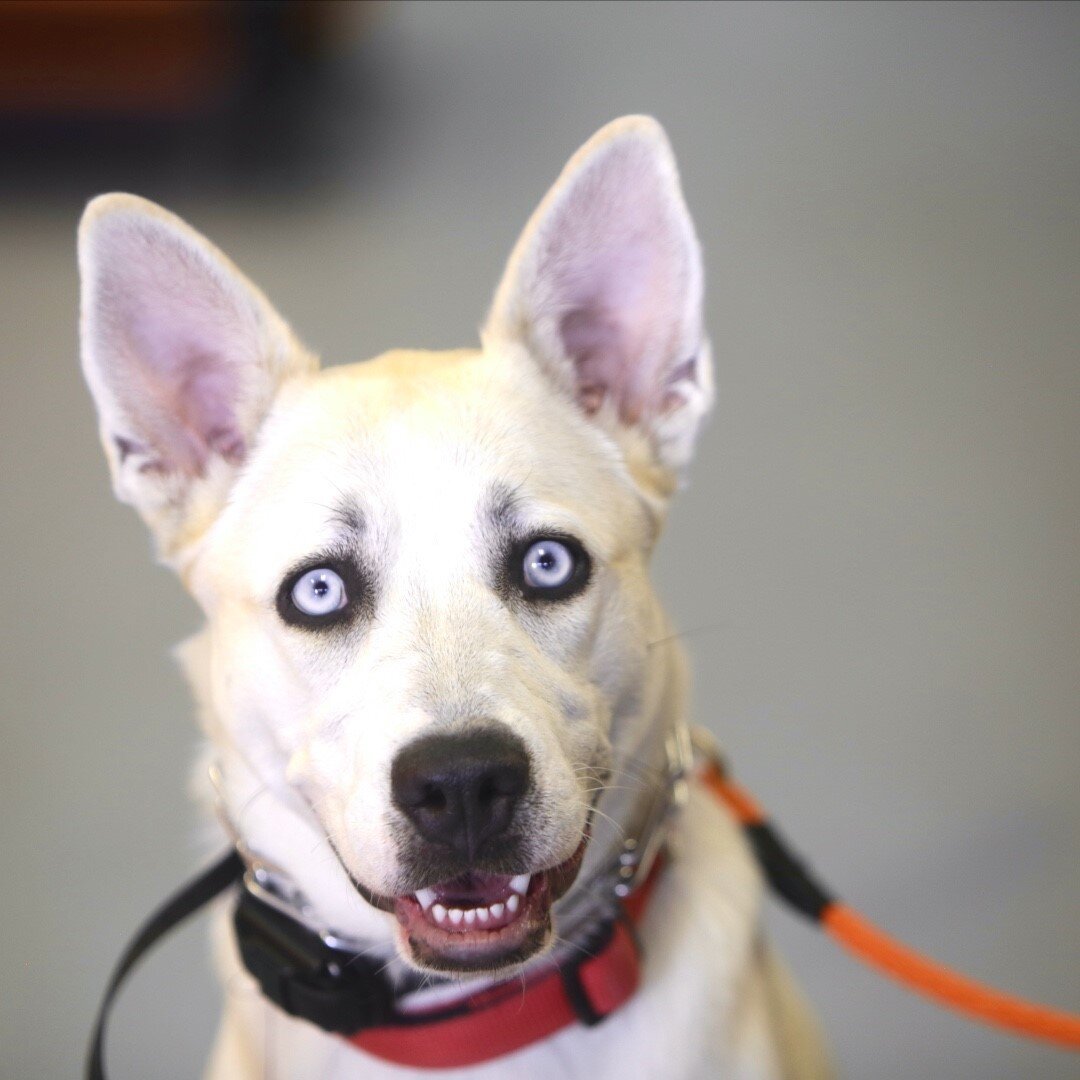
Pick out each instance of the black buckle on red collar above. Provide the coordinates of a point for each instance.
(300, 973)
(577, 992)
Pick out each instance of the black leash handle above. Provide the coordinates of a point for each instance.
(228, 870)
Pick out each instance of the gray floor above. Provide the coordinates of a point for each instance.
(876, 564)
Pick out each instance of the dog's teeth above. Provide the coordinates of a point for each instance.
(496, 911)
(456, 915)
(470, 916)
(425, 897)
(483, 914)
(520, 884)
(439, 912)
(513, 903)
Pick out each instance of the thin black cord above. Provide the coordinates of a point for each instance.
(186, 901)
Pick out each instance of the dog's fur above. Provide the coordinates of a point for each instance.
(576, 416)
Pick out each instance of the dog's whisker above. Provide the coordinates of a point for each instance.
(680, 635)
(362, 953)
(618, 828)
(638, 768)
(558, 939)
(261, 790)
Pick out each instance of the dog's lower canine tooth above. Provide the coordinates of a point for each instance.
(520, 884)
(425, 897)
(512, 903)
(439, 912)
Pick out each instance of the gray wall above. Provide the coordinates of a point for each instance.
(875, 564)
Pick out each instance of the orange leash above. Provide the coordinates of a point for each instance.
(874, 946)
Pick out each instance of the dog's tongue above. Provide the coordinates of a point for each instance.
(476, 890)
(480, 888)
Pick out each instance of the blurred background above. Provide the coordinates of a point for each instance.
(875, 563)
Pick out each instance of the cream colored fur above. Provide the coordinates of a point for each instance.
(581, 405)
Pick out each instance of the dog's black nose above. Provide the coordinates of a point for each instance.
(460, 791)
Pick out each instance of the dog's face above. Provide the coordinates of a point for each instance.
(424, 575)
(445, 600)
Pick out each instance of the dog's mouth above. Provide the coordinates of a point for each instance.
(483, 922)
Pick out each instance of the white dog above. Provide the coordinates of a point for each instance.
(444, 707)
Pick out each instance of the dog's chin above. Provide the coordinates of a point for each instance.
(480, 922)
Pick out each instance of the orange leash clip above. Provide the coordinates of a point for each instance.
(873, 946)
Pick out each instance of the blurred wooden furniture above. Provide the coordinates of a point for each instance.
(151, 57)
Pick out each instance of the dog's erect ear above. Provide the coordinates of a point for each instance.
(183, 356)
(604, 289)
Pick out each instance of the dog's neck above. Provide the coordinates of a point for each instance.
(278, 833)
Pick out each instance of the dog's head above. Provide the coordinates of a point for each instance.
(424, 575)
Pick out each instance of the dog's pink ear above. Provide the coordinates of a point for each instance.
(183, 357)
(604, 288)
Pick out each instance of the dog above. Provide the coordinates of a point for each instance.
(440, 697)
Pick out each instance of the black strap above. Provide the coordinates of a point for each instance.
(576, 991)
(790, 879)
(214, 880)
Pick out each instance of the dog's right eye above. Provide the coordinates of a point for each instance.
(314, 598)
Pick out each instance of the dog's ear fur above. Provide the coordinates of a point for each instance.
(183, 356)
(604, 290)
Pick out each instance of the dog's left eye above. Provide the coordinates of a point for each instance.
(551, 569)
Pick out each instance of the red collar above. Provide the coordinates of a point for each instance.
(503, 1018)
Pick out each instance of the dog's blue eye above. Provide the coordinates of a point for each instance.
(548, 564)
(319, 592)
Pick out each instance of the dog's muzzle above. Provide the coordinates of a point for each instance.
(477, 901)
